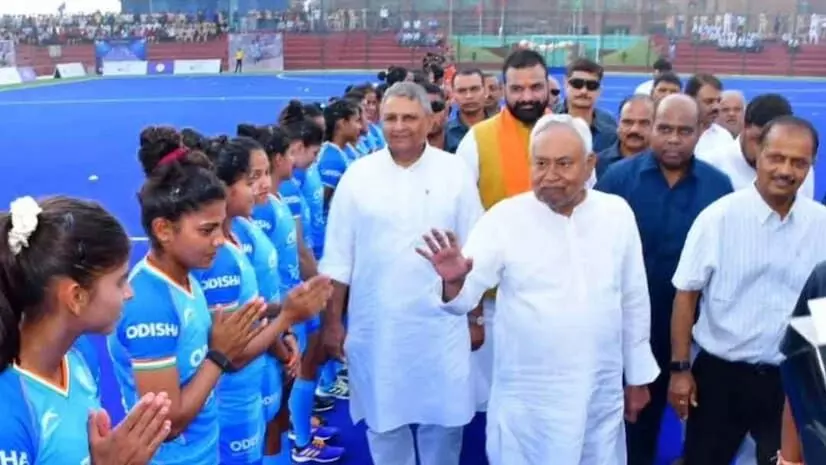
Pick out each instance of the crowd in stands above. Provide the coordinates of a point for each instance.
(74, 29)
(200, 27)
(737, 33)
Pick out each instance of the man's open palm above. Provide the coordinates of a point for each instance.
(444, 254)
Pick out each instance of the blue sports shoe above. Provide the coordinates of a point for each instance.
(323, 433)
(317, 452)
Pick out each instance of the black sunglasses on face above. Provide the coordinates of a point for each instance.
(579, 83)
(437, 106)
(554, 92)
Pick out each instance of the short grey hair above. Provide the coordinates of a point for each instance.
(410, 91)
(578, 125)
(734, 93)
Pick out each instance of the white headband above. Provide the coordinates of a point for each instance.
(24, 212)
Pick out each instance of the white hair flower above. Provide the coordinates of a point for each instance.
(24, 212)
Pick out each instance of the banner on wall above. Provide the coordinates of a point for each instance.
(27, 74)
(110, 50)
(185, 67)
(262, 51)
(161, 67)
(69, 70)
(124, 68)
(9, 76)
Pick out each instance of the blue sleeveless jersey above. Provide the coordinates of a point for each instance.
(312, 189)
(230, 283)
(264, 259)
(45, 424)
(164, 326)
(332, 163)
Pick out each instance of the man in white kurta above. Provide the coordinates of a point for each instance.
(573, 314)
(739, 160)
(408, 360)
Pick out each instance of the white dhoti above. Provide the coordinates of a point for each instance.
(588, 430)
(437, 445)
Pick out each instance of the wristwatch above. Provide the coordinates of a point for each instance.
(477, 320)
(680, 366)
(221, 360)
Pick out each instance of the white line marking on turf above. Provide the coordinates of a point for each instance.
(311, 80)
(240, 98)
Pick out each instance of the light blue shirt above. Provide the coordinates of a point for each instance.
(750, 266)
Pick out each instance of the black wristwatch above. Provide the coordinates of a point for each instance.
(679, 366)
(221, 360)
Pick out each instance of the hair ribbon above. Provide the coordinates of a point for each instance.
(174, 156)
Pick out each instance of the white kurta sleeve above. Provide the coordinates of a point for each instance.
(639, 364)
(340, 240)
(469, 209)
(484, 246)
(699, 256)
(468, 151)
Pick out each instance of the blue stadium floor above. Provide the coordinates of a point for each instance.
(54, 137)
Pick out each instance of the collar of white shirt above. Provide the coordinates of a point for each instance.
(764, 212)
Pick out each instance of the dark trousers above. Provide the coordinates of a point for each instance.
(734, 398)
(642, 437)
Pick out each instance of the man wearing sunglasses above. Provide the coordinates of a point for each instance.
(436, 137)
(582, 89)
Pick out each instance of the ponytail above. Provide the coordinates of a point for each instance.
(10, 314)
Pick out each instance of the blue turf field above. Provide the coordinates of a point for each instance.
(54, 137)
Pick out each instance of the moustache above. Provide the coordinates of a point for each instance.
(783, 179)
(636, 136)
(528, 105)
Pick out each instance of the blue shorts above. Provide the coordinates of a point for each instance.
(241, 438)
(273, 387)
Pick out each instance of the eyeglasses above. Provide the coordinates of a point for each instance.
(579, 83)
(437, 106)
(554, 92)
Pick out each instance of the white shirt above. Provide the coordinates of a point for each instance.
(645, 88)
(408, 361)
(750, 266)
(742, 174)
(714, 139)
(468, 150)
(572, 316)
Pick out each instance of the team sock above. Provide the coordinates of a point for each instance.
(301, 409)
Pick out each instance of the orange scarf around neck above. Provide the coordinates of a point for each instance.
(514, 154)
